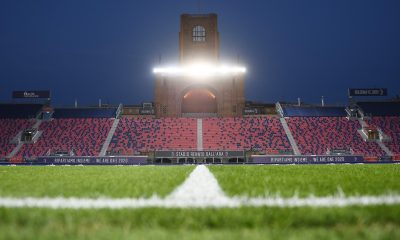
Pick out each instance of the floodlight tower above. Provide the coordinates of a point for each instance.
(199, 38)
(200, 85)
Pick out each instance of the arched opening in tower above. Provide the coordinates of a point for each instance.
(199, 100)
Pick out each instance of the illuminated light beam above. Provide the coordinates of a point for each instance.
(200, 70)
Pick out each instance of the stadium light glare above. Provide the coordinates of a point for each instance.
(200, 70)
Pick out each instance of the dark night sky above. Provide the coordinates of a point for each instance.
(106, 49)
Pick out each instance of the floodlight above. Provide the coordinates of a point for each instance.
(200, 70)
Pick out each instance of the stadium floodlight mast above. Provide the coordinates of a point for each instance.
(200, 70)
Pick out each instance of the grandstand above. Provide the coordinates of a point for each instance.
(148, 134)
(13, 119)
(297, 130)
(385, 108)
(9, 130)
(217, 164)
(253, 133)
(320, 135)
(315, 111)
(20, 111)
(390, 125)
(199, 112)
(81, 136)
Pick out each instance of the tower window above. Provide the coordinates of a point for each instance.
(199, 34)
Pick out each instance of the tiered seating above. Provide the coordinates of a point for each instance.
(84, 135)
(314, 135)
(262, 133)
(380, 108)
(85, 112)
(178, 134)
(147, 134)
(391, 127)
(313, 111)
(19, 110)
(9, 129)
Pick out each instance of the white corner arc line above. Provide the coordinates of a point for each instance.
(199, 190)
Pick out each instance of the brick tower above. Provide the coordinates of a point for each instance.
(180, 95)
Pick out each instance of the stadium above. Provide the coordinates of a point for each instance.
(201, 160)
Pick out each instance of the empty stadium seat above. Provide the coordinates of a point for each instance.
(380, 108)
(85, 136)
(147, 134)
(391, 127)
(257, 133)
(85, 112)
(9, 129)
(314, 135)
(19, 111)
(313, 111)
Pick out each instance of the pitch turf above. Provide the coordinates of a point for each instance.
(372, 222)
(319, 180)
(91, 181)
(250, 223)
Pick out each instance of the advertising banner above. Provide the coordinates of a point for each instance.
(118, 160)
(291, 159)
(251, 111)
(146, 111)
(199, 154)
(363, 92)
(31, 94)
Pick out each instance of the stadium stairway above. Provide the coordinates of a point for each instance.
(319, 135)
(109, 138)
(290, 137)
(18, 136)
(390, 125)
(199, 134)
(362, 123)
(384, 148)
(380, 143)
(37, 124)
(15, 150)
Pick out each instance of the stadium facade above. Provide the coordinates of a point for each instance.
(179, 95)
(200, 115)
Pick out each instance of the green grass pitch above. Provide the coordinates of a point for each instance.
(372, 222)
(91, 181)
(319, 180)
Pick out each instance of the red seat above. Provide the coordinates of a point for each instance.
(9, 129)
(391, 127)
(148, 134)
(314, 135)
(244, 134)
(85, 136)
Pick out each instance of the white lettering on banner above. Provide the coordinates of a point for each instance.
(30, 95)
(199, 154)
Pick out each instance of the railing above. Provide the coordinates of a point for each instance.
(119, 110)
(279, 109)
(199, 115)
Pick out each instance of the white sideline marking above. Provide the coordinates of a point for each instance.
(200, 190)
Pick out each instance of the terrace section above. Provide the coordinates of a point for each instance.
(9, 130)
(372, 109)
(134, 135)
(94, 112)
(20, 111)
(82, 136)
(319, 135)
(390, 125)
(312, 111)
(251, 133)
